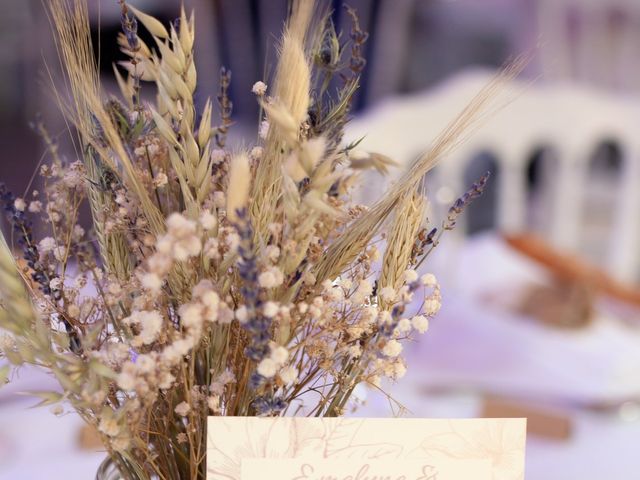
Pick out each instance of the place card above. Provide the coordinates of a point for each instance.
(298, 448)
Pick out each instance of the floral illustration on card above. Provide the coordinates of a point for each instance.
(231, 440)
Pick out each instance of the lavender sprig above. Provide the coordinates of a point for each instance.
(269, 405)
(258, 326)
(226, 107)
(432, 239)
(359, 37)
(39, 273)
(465, 200)
(130, 29)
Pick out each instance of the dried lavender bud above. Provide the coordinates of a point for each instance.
(257, 325)
(226, 107)
(465, 200)
(266, 406)
(359, 37)
(129, 27)
(23, 228)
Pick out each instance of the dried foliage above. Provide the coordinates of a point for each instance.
(212, 282)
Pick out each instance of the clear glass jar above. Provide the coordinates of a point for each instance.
(108, 470)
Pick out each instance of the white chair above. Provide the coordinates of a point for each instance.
(567, 119)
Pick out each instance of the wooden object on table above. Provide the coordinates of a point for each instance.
(540, 421)
(89, 438)
(563, 303)
(572, 268)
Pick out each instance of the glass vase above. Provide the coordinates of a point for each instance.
(108, 470)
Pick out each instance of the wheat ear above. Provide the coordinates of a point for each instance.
(16, 312)
(406, 224)
(363, 229)
(292, 84)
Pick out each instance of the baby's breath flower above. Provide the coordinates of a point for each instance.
(109, 426)
(208, 220)
(264, 129)
(400, 369)
(256, 153)
(270, 309)
(59, 253)
(213, 402)
(35, 206)
(191, 315)
(288, 375)
(431, 306)
(420, 323)
(370, 314)
(149, 323)
(166, 381)
(182, 409)
(388, 294)
(47, 244)
(404, 325)
(410, 276)
(385, 317)
(279, 355)
(121, 443)
(217, 156)
(19, 204)
(242, 314)
(151, 282)
(271, 278)
(259, 88)
(428, 279)
(127, 377)
(78, 232)
(227, 377)
(160, 180)
(392, 348)
(272, 252)
(267, 368)
(364, 291)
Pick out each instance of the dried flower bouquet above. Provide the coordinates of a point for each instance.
(213, 282)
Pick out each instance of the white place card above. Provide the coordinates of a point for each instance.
(296, 448)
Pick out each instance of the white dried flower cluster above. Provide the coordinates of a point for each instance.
(182, 240)
(276, 360)
(182, 409)
(148, 324)
(272, 277)
(20, 204)
(259, 88)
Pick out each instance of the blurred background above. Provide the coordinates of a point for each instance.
(540, 278)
